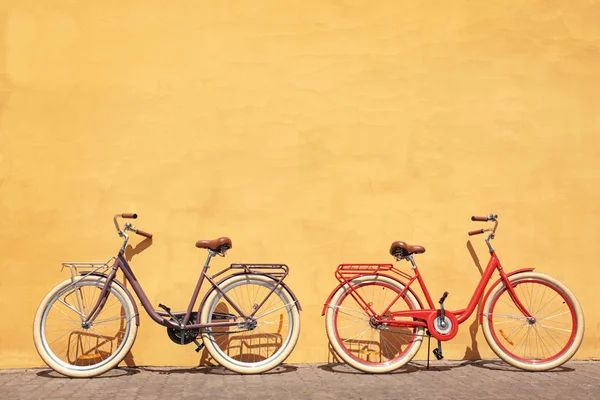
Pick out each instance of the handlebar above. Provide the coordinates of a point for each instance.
(478, 232)
(490, 218)
(128, 227)
(142, 233)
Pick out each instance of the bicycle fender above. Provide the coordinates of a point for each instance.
(286, 287)
(135, 308)
(387, 276)
(518, 271)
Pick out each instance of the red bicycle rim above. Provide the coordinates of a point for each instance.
(500, 343)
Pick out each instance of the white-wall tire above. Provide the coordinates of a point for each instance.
(338, 344)
(564, 325)
(44, 338)
(279, 312)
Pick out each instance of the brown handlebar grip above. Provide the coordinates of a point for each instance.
(476, 232)
(145, 234)
(129, 215)
(482, 219)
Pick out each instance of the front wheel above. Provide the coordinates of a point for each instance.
(547, 340)
(256, 345)
(361, 343)
(78, 349)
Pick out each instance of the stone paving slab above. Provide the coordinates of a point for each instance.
(490, 379)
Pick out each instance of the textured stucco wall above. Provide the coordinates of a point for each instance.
(310, 132)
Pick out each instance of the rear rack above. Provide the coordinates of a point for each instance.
(278, 271)
(347, 272)
(85, 269)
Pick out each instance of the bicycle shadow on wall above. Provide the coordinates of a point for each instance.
(472, 351)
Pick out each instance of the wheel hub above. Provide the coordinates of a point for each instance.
(250, 324)
(374, 323)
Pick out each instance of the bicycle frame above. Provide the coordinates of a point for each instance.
(276, 272)
(345, 273)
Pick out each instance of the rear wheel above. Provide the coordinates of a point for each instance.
(76, 349)
(254, 346)
(366, 347)
(549, 339)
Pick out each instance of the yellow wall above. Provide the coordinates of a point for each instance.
(310, 132)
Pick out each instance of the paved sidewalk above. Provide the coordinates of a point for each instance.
(447, 380)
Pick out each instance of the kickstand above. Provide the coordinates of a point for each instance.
(428, 348)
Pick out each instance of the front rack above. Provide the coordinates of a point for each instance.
(85, 269)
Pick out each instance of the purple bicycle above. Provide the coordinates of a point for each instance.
(248, 320)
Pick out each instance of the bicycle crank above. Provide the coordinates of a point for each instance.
(443, 326)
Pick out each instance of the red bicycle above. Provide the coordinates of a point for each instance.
(376, 323)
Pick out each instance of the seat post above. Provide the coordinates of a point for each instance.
(210, 255)
(412, 261)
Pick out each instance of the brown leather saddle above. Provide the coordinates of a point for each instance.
(401, 249)
(220, 245)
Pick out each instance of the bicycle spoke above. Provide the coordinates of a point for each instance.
(357, 315)
(276, 309)
(556, 329)
(103, 321)
(357, 335)
(70, 307)
(524, 339)
(538, 312)
(516, 331)
(517, 317)
(554, 316)
(542, 343)
(66, 315)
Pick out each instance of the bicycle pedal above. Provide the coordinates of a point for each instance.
(200, 346)
(443, 298)
(174, 318)
(167, 309)
(438, 354)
